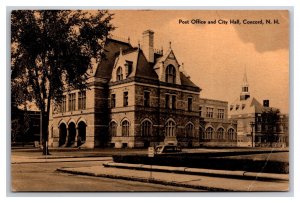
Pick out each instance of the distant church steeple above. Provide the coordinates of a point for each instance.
(245, 94)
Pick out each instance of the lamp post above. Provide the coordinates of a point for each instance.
(252, 124)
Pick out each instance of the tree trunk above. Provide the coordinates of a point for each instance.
(45, 123)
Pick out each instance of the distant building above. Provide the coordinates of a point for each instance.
(25, 126)
(258, 125)
(137, 97)
(216, 130)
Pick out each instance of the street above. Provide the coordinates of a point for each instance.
(38, 177)
(72, 170)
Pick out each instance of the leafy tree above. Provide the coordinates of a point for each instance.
(51, 51)
(270, 118)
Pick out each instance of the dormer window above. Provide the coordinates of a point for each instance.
(128, 67)
(119, 74)
(231, 107)
(237, 107)
(170, 74)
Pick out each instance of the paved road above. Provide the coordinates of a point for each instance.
(34, 152)
(44, 177)
(31, 173)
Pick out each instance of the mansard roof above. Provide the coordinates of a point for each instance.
(186, 81)
(145, 69)
(141, 69)
(111, 47)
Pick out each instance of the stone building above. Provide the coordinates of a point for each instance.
(258, 125)
(216, 130)
(137, 97)
(25, 126)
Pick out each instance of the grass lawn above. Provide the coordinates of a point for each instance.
(277, 156)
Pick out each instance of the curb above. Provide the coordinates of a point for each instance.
(60, 159)
(146, 180)
(198, 171)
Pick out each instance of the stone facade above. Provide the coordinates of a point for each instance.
(65, 125)
(140, 97)
(216, 130)
(136, 98)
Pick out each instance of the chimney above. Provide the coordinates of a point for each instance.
(148, 45)
(266, 103)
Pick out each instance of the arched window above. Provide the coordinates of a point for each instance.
(170, 74)
(146, 128)
(189, 130)
(125, 128)
(209, 133)
(231, 134)
(170, 129)
(119, 74)
(220, 134)
(113, 129)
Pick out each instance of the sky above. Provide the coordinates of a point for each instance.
(216, 56)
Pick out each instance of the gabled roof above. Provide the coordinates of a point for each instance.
(185, 80)
(250, 105)
(127, 55)
(111, 47)
(164, 58)
(141, 67)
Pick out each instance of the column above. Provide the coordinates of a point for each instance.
(76, 137)
(67, 137)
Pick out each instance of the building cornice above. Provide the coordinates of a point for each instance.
(155, 84)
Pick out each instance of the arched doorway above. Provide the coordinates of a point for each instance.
(81, 133)
(62, 134)
(72, 134)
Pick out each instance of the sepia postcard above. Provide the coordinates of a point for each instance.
(150, 100)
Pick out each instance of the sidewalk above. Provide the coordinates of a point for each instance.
(39, 159)
(202, 182)
(202, 171)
